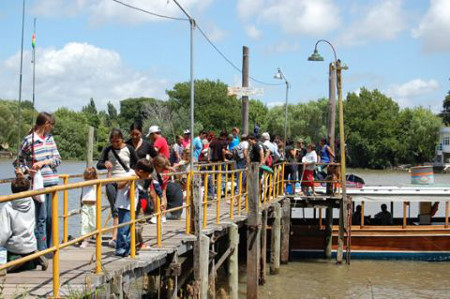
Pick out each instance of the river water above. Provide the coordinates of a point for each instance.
(319, 278)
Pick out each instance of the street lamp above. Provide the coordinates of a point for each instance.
(193, 25)
(338, 68)
(280, 76)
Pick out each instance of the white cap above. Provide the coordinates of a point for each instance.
(265, 136)
(186, 132)
(153, 129)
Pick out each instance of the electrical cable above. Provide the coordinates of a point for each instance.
(149, 12)
(204, 35)
(229, 61)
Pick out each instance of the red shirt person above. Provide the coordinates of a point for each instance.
(159, 142)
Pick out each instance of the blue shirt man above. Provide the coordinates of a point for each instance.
(198, 145)
(235, 142)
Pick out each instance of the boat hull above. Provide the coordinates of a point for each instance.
(430, 243)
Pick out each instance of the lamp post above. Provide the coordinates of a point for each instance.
(192, 23)
(280, 76)
(338, 67)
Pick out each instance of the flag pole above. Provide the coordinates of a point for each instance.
(33, 61)
(19, 118)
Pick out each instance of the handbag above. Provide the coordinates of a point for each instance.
(38, 183)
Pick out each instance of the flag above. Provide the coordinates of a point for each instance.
(33, 40)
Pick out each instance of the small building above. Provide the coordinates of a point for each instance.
(442, 157)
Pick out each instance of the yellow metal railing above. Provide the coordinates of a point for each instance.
(215, 173)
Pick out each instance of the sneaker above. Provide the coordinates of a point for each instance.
(163, 219)
(84, 244)
(152, 220)
(43, 262)
(112, 243)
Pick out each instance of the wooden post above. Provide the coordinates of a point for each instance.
(245, 76)
(233, 264)
(446, 214)
(405, 203)
(201, 245)
(362, 213)
(204, 266)
(285, 229)
(253, 231)
(329, 231)
(90, 147)
(263, 256)
(340, 250)
(275, 240)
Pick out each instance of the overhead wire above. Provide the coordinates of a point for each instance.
(149, 12)
(233, 65)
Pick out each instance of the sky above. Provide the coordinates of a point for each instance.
(104, 50)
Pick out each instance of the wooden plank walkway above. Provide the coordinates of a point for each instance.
(77, 265)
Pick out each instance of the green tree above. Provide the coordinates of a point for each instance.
(90, 110)
(371, 125)
(70, 133)
(445, 113)
(112, 119)
(257, 114)
(134, 109)
(214, 109)
(417, 134)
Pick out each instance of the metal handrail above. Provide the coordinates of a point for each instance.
(273, 183)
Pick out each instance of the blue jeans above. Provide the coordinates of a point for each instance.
(43, 228)
(123, 234)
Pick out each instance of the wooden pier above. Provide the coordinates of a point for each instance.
(183, 263)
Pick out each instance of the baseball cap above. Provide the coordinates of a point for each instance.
(153, 129)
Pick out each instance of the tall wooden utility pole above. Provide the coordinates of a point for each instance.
(332, 95)
(245, 58)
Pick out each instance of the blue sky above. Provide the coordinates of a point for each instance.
(101, 49)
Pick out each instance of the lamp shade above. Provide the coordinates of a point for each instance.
(315, 56)
(278, 75)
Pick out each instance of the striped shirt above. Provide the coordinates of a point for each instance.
(44, 149)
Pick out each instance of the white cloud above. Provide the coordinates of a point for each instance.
(71, 75)
(102, 11)
(253, 32)
(384, 20)
(214, 33)
(247, 8)
(407, 92)
(294, 16)
(282, 47)
(434, 27)
(274, 104)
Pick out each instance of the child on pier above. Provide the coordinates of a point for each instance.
(88, 209)
(309, 162)
(17, 221)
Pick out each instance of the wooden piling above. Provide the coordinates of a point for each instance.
(201, 245)
(275, 240)
(233, 264)
(90, 148)
(329, 231)
(340, 250)
(253, 231)
(263, 255)
(285, 229)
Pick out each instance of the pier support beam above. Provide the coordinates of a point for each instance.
(329, 231)
(263, 255)
(253, 232)
(201, 246)
(275, 240)
(340, 250)
(233, 265)
(285, 229)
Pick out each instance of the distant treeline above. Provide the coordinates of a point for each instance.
(378, 133)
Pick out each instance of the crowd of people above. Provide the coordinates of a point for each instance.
(150, 159)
